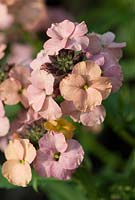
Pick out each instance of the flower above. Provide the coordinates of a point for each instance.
(61, 126)
(21, 54)
(4, 122)
(57, 157)
(2, 48)
(91, 118)
(19, 154)
(68, 35)
(105, 42)
(39, 95)
(13, 90)
(6, 19)
(85, 87)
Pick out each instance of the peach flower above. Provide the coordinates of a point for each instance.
(19, 155)
(85, 87)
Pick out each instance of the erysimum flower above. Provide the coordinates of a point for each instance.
(85, 87)
(2, 48)
(4, 122)
(66, 35)
(91, 118)
(57, 157)
(19, 155)
(5, 18)
(13, 89)
(40, 95)
(105, 42)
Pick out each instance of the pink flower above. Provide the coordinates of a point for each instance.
(85, 87)
(2, 48)
(57, 157)
(6, 19)
(66, 35)
(13, 90)
(91, 118)
(19, 155)
(4, 122)
(39, 95)
(105, 42)
(21, 54)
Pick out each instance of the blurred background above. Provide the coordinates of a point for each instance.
(108, 172)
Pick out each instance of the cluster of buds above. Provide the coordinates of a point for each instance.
(71, 76)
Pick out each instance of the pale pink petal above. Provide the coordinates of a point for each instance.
(60, 142)
(17, 173)
(61, 30)
(50, 109)
(103, 85)
(73, 156)
(94, 117)
(36, 97)
(14, 150)
(71, 86)
(80, 30)
(88, 69)
(9, 91)
(78, 44)
(48, 141)
(4, 126)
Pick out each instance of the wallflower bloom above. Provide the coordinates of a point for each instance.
(57, 157)
(91, 118)
(4, 122)
(5, 18)
(13, 89)
(85, 87)
(19, 155)
(66, 35)
(105, 42)
(21, 54)
(39, 95)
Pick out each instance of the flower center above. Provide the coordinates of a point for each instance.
(85, 87)
(56, 156)
(22, 162)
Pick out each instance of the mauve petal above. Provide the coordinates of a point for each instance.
(94, 43)
(47, 142)
(17, 173)
(73, 156)
(103, 85)
(50, 109)
(9, 91)
(94, 117)
(117, 45)
(94, 98)
(77, 44)
(60, 142)
(71, 86)
(107, 38)
(88, 69)
(43, 162)
(98, 59)
(4, 126)
(36, 97)
(68, 108)
(58, 172)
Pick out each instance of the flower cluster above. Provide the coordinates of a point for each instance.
(71, 76)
